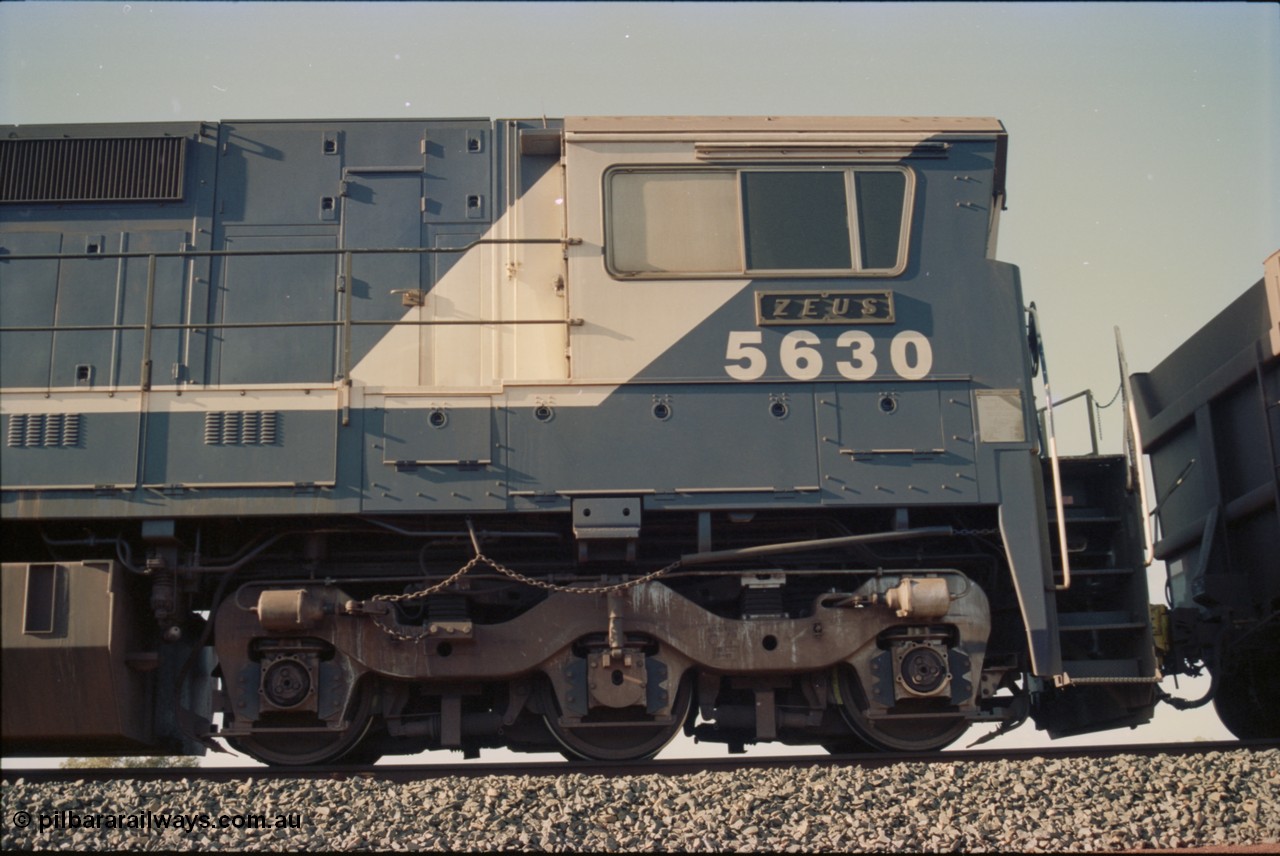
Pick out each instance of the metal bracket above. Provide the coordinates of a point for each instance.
(607, 519)
(411, 296)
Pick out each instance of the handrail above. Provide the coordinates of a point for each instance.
(346, 288)
(345, 322)
(144, 379)
(1087, 395)
(252, 325)
(1133, 453)
(297, 251)
(1052, 442)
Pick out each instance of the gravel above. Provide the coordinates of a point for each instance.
(1122, 802)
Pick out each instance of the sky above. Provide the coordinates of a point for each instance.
(1143, 174)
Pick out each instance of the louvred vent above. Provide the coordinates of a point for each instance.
(120, 169)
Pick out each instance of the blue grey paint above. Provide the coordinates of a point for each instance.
(681, 435)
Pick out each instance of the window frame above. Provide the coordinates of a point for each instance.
(849, 171)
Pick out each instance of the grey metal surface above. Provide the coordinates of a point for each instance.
(1209, 418)
(310, 364)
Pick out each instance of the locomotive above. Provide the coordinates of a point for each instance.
(337, 439)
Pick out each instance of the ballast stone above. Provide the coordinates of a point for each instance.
(1077, 805)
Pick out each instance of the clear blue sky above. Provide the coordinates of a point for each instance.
(1144, 182)
(1144, 185)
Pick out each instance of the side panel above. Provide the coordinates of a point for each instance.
(1209, 417)
(288, 304)
(177, 293)
(28, 299)
(380, 210)
(69, 441)
(435, 454)
(275, 437)
(456, 351)
(903, 443)
(278, 174)
(658, 440)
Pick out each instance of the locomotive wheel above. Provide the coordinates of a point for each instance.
(616, 735)
(1247, 698)
(308, 748)
(847, 746)
(906, 735)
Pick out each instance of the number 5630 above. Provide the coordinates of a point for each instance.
(799, 354)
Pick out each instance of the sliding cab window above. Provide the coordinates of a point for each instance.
(835, 221)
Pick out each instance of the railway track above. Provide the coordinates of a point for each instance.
(402, 773)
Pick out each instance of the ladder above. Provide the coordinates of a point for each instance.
(1104, 627)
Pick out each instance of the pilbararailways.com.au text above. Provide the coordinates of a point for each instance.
(154, 821)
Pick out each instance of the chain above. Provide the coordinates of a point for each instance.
(481, 559)
(1119, 389)
(440, 586)
(590, 590)
(396, 634)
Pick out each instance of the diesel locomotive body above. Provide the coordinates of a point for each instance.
(338, 439)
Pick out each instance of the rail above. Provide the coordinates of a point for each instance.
(429, 768)
(345, 322)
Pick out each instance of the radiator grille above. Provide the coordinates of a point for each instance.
(121, 169)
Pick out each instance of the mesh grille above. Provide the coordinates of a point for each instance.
(130, 169)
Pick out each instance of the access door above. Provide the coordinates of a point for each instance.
(382, 211)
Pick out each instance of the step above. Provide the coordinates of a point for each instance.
(1080, 628)
(1102, 668)
(1089, 517)
(1098, 572)
(1075, 622)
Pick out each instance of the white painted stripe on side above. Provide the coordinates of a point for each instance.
(170, 402)
(558, 396)
(425, 400)
(59, 402)
(205, 401)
